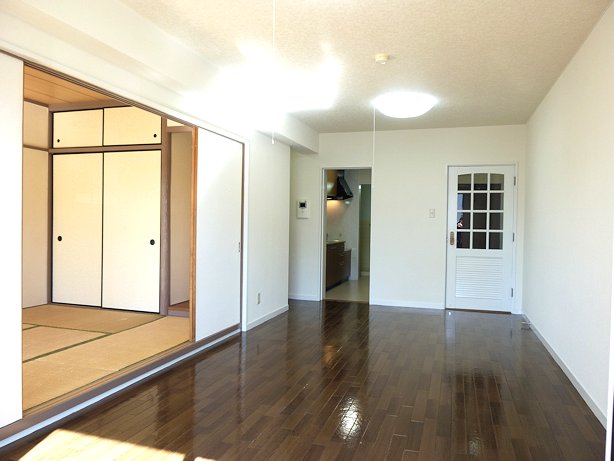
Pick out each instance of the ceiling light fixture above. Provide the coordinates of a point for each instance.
(404, 104)
(382, 58)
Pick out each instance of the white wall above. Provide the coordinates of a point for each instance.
(181, 211)
(409, 177)
(35, 232)
(267, 226)
(570, 183)
(11, 96)
(35, 205)
(306, 250)
(35, 125)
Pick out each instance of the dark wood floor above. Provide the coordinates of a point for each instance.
(345, 381)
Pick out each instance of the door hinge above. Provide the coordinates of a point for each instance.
(514, 180)
(512, 292)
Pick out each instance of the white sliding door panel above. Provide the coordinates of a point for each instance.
(131, 231)
(77, 228)
(218, 234)
(11, 95)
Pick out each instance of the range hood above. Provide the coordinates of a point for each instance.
(336, 186)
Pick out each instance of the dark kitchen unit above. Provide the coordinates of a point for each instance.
(338, 263)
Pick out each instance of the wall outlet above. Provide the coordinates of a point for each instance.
(258, 298)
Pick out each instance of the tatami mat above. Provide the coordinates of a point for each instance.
(44, 340)
(43, 381)
(84, 318)
(127, 347)
(56, 374)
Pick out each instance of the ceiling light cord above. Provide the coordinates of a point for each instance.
(272, 97)
(373, 145)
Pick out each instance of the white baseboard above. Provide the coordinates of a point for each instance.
(299, 297)
(403, 303)
(365, 273)
(267, 317)
(587, 398)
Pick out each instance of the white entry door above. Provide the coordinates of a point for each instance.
(218, 234)
(480, 238)
(77, 229)
(131, 231)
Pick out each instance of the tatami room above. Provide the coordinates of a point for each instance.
(106, 255)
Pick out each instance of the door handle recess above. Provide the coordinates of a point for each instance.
(152, 242)
(451, 237)
(59, 238)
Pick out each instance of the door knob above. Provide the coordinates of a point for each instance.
(451, 237)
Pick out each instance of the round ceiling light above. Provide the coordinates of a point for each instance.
(404, 104)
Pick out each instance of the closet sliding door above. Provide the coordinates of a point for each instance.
(77, 229)
(131, 231)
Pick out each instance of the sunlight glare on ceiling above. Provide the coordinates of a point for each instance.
(264, 89)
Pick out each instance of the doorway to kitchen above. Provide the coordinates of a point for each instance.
(347, 234)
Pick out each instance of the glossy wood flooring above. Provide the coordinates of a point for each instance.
(341, 381)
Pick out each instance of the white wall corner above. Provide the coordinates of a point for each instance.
(267, 317)
(297, 135)
(583, 393)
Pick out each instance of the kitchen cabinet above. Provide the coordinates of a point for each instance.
(131, 125)
(338, 263)
(79, 128)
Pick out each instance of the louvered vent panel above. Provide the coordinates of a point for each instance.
(479, 278)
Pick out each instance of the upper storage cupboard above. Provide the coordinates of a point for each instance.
(131, 125)
(78, 128)
(114, 126)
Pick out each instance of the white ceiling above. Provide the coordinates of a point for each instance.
(490, 62)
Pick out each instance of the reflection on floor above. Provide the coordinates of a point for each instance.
(67, 347)
(346, 381)
(352, 290)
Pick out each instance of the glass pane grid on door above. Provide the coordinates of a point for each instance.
(479, 211)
